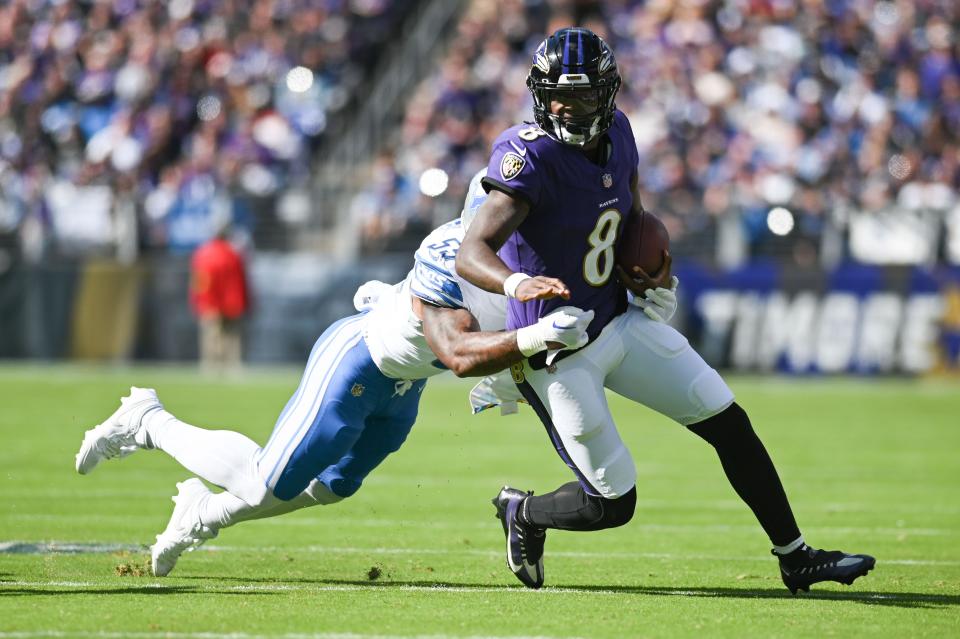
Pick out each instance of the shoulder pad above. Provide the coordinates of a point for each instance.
(434, 278)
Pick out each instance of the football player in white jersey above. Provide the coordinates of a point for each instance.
(355, 404)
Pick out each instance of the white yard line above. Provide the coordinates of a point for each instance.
(697, 529)
(642, 504)
(55, 634)
(187, 588)
(30, 548)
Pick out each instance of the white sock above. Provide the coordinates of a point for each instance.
(224, 509)
(789, 548)
(222, 457)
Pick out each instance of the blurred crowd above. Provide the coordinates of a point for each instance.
(132, 123)
(814, 129)
(840, 116)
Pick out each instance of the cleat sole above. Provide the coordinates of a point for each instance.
(846, 580)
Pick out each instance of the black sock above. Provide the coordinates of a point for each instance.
(751, 472)
(797, 557)
(571, 508)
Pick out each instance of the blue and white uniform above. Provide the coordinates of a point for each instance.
(360, 392)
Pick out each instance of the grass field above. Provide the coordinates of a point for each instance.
(872, 466)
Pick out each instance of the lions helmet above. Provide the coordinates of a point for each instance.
(574, 66)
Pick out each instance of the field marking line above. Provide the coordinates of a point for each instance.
(29, 548)
(723, 505)
(242, 635)
(67, 547)
(425, 523)
(191, 588)
(374, 586)
(571, 554)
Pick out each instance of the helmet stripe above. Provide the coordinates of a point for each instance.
(580, 48)
(566, 54)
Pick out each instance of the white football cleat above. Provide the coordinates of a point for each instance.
(115, 436)
(185, 532)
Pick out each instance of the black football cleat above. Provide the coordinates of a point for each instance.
(524, 543)
(806, 566)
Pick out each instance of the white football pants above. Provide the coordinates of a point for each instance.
(634, 356)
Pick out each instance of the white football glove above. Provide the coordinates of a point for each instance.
(566, 325)
(659, 304)
(369, 292)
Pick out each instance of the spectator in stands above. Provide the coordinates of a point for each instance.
(96, 94)
(737, 107)
(220, 299)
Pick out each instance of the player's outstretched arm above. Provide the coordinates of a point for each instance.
(455, 338)
(478, 262)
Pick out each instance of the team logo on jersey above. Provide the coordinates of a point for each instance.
(607, 180)
(511, 165)
(357, 390)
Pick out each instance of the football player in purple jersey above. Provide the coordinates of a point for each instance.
(559, 192)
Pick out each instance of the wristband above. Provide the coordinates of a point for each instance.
(511, 283)
(530, 341)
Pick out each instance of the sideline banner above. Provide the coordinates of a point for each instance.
(854, 319)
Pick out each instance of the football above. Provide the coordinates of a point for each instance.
(642, 243)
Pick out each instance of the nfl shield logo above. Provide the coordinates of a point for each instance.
(607, 180)
(357, 390)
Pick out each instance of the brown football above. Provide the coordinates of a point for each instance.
(642, 242)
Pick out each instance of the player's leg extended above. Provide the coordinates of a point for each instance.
(228, 459)
(570, 402)
(199, 515)
(383, 433)
(569, 399)
(662, 371)
(319, 425)
(326, 417)
(224, 458)
(221, 510)
(386, 430)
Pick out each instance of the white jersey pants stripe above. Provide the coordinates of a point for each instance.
(299, 412)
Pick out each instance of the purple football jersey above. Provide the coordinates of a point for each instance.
(576, 213)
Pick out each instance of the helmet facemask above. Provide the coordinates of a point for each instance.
(582, 77)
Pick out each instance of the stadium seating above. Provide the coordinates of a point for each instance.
(845, 114)
(146, 123)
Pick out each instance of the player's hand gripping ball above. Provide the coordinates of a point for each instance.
(643, 254)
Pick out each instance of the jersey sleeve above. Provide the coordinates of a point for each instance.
(514, 163)
(433, 278)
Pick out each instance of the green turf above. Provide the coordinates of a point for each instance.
(871, 467)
